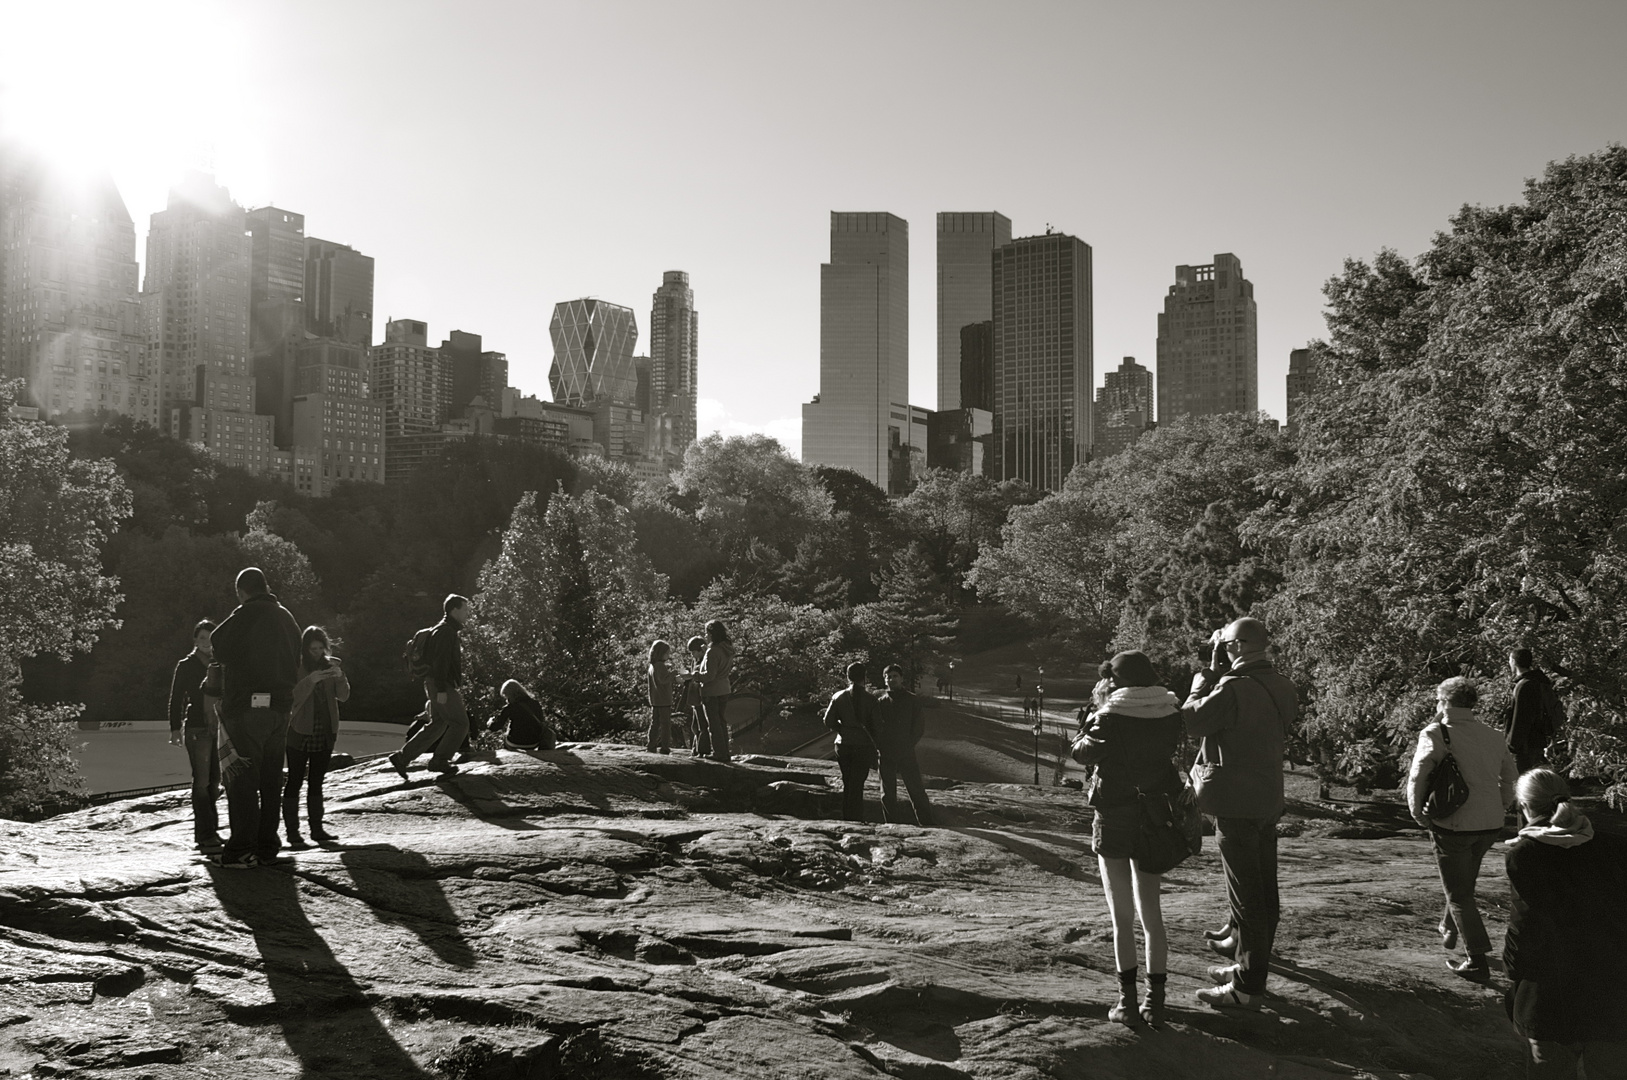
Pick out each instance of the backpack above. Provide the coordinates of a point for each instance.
(1446, 790)
(415, 655)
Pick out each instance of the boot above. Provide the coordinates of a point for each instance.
(1152, 1009)
(295, 840)
(1125, 1011)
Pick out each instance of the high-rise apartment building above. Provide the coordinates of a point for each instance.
(1301, 381)
(593, 353)
(335, 418)
(413, 382)
(276, 310)
(1208, 343)
(966, 245)
(475, 373)
(70, 313)
(1124, 408)
(338, 292)
(674, 348)
(1043, 359)
(860, 418)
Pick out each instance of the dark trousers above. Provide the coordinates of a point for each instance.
(254, 782)
(855, 766)
(1604, 1059)
(1457, 857)
(447, 728)
(718, 726)
(899, 761)
(301, 762)
(660, 734)
(1248, 853)
(200, 752)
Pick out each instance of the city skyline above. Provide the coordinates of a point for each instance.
(1337, 154)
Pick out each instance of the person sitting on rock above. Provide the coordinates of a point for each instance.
(900, 723)
(1132, 741)
(851, 714)
(521, 720)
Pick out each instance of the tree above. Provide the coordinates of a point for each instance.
(911, 622)
(288, 572)
(56, 515)
(748, 490)
(956, 516)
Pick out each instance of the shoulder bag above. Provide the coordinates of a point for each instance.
(1446, 791)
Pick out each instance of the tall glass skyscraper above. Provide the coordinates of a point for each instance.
(593, 353)
(1208, 343)
(338, 292)
(966, 245)
(276, 310)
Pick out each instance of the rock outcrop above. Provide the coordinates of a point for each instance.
(602, 912)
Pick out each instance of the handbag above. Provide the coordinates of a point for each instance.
(1161, 837)
(1446, 791)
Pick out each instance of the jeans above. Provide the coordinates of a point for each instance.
(299, 762)
(660, 736)
(254, 784)
(447, 728)
(896, 761)
(1248, 853)
(1604, 1059)
(719, 727)
(200, 751)
(1457, 857)
(855, 766)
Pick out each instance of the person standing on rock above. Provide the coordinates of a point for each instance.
(658, 684)
(713, 674)
(1462, 839)
(448, 722)
(1132, 741)
(313, 728)
(1534, 715)
(186, 705)
(1566, 945)
(900, 723)
(694, 712)
(257, 647)
(851, 714)
(1241, 711)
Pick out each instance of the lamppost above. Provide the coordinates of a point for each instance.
(1039, 720)
(951, 680)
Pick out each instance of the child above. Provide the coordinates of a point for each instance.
(696, 647)
(521, 720)
(659, 681)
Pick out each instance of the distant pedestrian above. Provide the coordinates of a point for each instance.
(448, 722)
(1566, 945)
(658, 685)
(713, 673)
(692, 706)
(186, 706)
(313, 728)
(900, 723)
(1132, 741)
(851, 714)
(1242, 710)
(1461, 840)
(257, 646)
(1534, 715)
(521, 720)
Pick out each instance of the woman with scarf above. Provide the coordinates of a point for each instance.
(313, 727)
(1566, 946)
(1132, 740)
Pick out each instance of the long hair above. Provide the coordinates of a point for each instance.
(718, 634)
(519, 691)
(1546, 795)
(312, 633)
(658, 651)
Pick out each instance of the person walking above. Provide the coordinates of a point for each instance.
(1566, 944)
(713, 674)
(851, 714)
(900, 723)
(257, 646)
(1461, 839)
(448, 723)
(701, 745)
(313, 728)
(1534, 714)
(1241, 711)
(658, 680)
(1132, 740)
(521, 720)
(199, 734)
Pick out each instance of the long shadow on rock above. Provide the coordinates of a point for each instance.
(323, 1011)
(1049, 861)
(402, 888)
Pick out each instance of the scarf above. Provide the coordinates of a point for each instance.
(1556, 836)
(1147, 702)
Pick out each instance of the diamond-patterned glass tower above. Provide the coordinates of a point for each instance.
(593, 353)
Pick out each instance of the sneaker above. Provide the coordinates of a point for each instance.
(245, 861)
(1449, 937)
(1222, 974)
(448, 769)
(273, 859)
(1475, 968)
(1229, 997)
(1219, 935)
(295, 840)
(211, 847)
(399, 764)
(1226, 947)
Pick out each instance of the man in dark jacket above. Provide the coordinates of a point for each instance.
(448, 722)
(900, 723)
(1530, 723)
(186, 705)
(851, 715)
(1242, 711)
(257, 647)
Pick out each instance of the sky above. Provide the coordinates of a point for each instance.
(497, 158)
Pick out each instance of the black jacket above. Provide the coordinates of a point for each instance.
(1131, 753)
(444, 655)
(1566, 945)
(899, 719)
(186, 693)
(1529, 725)
(258, 649)
(522, 720)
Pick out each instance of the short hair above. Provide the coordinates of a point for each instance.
(1546, 795)
(658, 650)
(452, 602)
(202, 625)
(890, 668)
(856, 672)
(1250, 630)
(252, 580)
(1459, 692)
(1522, 657)
(696, 644)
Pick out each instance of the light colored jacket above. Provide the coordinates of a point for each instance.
(1487, 766)
(714, 671)
(659, 682)
(302, 717)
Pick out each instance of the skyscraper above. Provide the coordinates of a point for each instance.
(1042, 358)
(1301, 381)
(593, 353)
(674, 349)
(475, 373)
(70, 316)
(276, 310)
(1208, 347)
(1124, 408)
(338, 292)
(860, 418)
(413, 382)
(966, 244)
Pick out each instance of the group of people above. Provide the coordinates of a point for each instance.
(699, 694)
